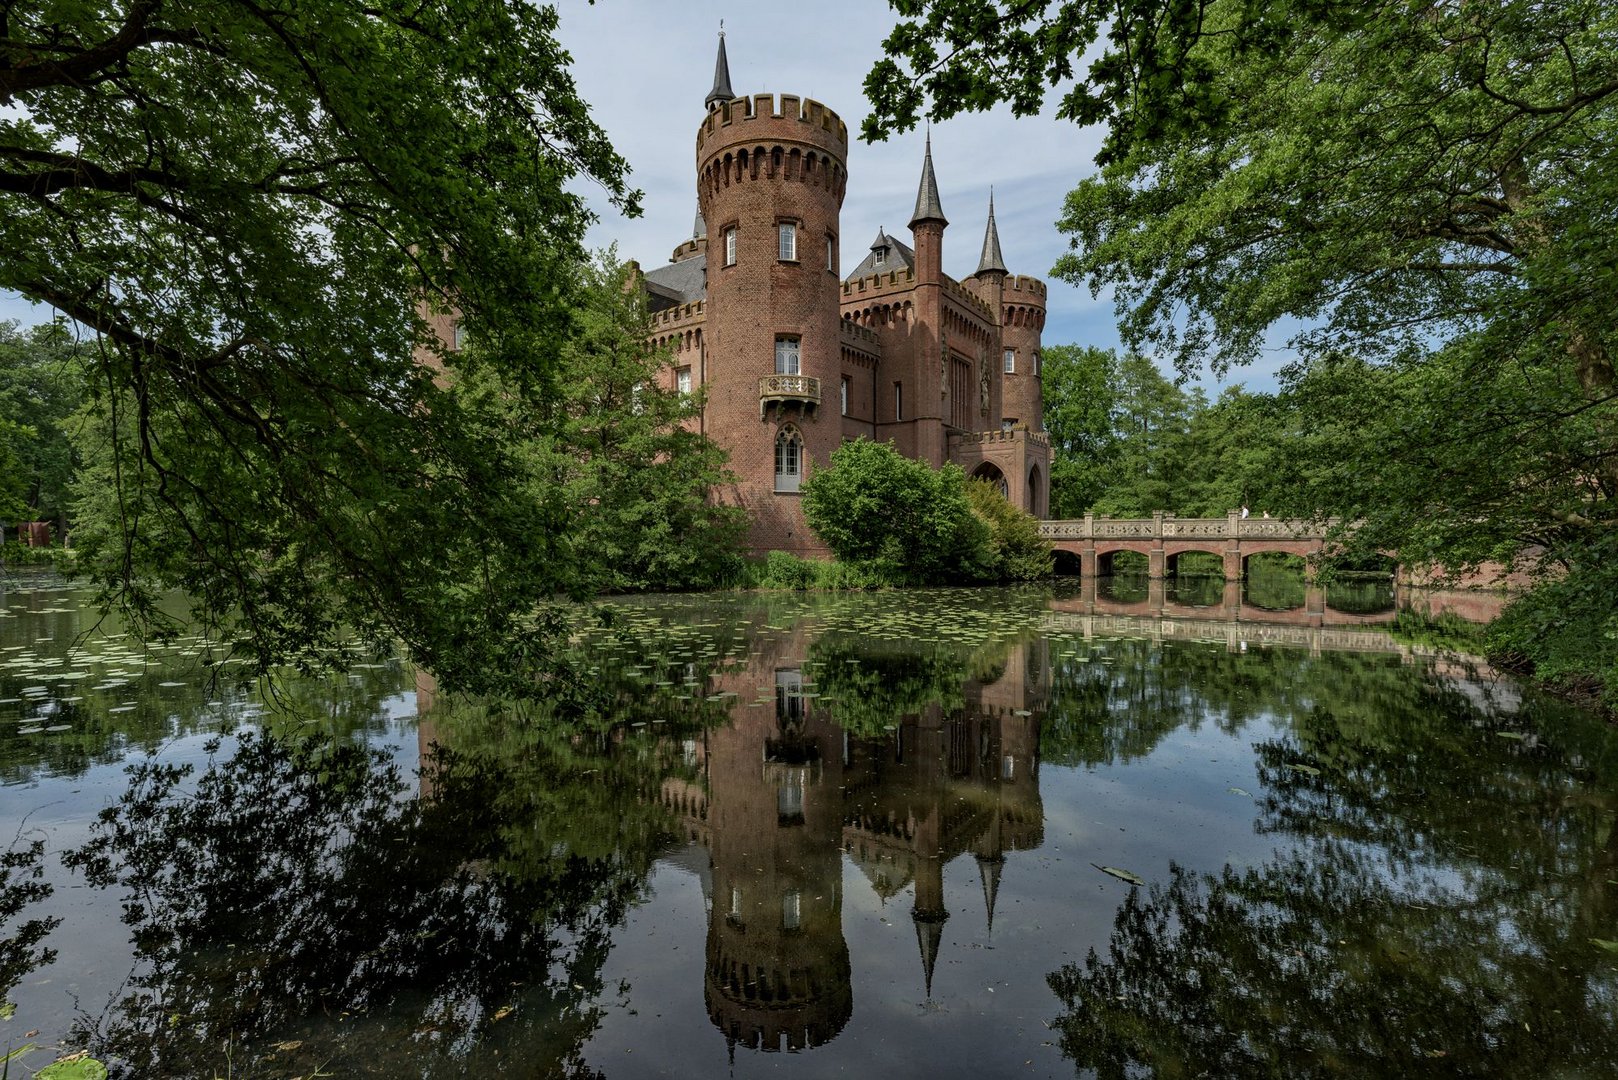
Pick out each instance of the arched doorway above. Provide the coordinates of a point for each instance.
(991, 472)
(1035, 501)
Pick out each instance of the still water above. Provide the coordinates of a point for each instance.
(816, 836)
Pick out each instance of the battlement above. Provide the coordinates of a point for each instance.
(1030, 288)
(734, 121)
(969, 298)
(678, 315)
(875, 283)
(853, 333)
(692, 247)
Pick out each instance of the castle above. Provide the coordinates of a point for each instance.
(795, 360)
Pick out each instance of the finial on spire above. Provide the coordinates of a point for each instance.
(992, 260)
(721, 91)
(927, 205)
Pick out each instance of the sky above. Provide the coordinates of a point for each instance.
(644, 67)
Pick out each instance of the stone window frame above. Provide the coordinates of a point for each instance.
(682, 379)
(782, 225)
(728, 239)
(898, 402)
(789, 456)
(831, 253)
(796, 353)
(843, 389)
(1009, 362)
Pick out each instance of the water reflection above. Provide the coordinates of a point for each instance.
(1363, 857)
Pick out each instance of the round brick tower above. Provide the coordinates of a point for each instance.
(1022, 317)
(770, 182)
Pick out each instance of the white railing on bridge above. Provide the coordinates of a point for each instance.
(1166, 527)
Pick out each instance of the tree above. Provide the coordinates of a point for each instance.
(621, 453)
(41, 385)
(255, 208)
(874, 504)
(1078, 386)
(1420, 189)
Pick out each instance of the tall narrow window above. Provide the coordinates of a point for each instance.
(831, 253)
(1038, 362)
(881, 256)
(1011, 361)
(845, 395)
(898, 401)
(786, 356)
(460, 336)
(791, 911)
(788, 460)
(730, 246)
(789, 242)
(682, 380)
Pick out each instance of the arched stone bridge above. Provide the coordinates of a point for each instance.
(1163, 538)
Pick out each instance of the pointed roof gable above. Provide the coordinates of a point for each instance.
(992, 259)
(721, 91)
(887, 254)
(929, 933)
(699, 228)
(927, 205)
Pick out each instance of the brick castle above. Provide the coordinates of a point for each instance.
(796, 359)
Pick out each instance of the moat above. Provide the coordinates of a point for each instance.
(1131, 828)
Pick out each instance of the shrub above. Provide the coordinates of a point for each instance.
(873, 505)
(1019, 554)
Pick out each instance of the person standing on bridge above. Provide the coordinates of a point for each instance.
(1244, 511)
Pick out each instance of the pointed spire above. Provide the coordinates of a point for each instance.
(990, 869)
(699, 228)
(927, 206)
(929, 932)
(721, 91)
(992, 260)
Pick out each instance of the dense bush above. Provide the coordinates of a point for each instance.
(890, 519)
(1018, 552)
(1564, 631)
(872, 504)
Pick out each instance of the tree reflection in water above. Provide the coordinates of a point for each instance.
(1434, 916)
(293, 907)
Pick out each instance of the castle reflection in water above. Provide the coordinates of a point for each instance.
(783, 794)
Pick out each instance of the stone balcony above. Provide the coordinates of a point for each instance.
(783, 391)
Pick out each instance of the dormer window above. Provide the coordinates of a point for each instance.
(880, 257)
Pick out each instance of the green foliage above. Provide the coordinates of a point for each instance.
(872, 504)
(620, 450)
(1420, 195)
(1017, 553)
(254, 209)
(1127, 441)
(784, 570)
(1565, 631)
(41, 385)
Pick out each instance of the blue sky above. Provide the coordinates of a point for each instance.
(645, 65)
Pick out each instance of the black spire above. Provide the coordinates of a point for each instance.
(992, 259)
(927, 207)
(721, 91)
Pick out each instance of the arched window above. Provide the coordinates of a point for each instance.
(788, 459)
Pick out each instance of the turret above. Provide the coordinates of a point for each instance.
(1022, 319)
(771, 173)
(927, 224)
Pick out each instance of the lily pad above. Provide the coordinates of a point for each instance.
(73, 1067)
(1603, 943)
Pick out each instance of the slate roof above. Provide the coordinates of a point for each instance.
(928, 207)
(678, 283)
(992, 259)
(899, 256)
